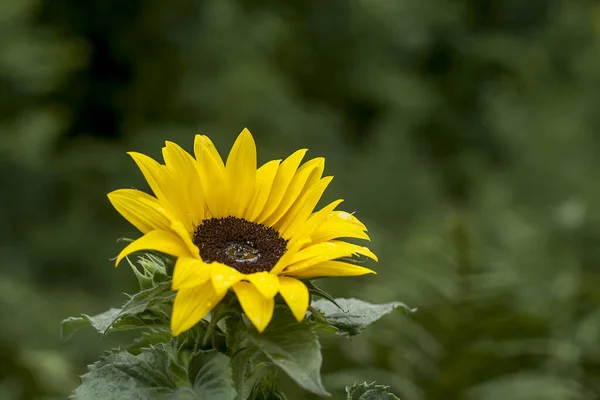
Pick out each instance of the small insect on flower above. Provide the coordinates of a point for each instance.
(231, 226)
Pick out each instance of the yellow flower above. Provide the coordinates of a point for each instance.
(232, 226)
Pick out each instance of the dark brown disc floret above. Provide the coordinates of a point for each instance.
(246, 246)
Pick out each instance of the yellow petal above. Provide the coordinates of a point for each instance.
(163, 241)
(202, 143)
(295, 294)
(335, 227)
(304, 232)
(241, 172)
(186, 238)
(186, 183)
(285, 174)
(161, 182)
(328, 268)
(287, 257)
(349, 218)
(140, 209)
(213, 177)
(264, 182)
(153, 173)
(191, 305)
(308, 174)
(327, 251)
(223, 277)
(258, 308)
(190, 272)
(298, 215)
(266, 283)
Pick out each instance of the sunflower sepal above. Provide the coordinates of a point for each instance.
(151, 269)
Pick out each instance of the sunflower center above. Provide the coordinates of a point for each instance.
(246, 246)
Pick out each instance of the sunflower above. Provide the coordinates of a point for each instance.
(232, 226)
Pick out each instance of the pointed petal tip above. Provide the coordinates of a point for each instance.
(119, 259)
(302, 151)
(364, 251)
(246, 135)
(175, 328)
(320, 161)
(261, 328)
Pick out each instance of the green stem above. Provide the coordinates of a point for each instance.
(211, 327)
(219, 313)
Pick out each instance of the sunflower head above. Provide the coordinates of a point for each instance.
(232, 226)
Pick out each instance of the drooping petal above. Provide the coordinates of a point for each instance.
(349, 218)
(285, 174)
(186, 183)
(266, 283)
(327, 268)
(163, 241)
(306, 176)
(257, 308)
(191, 305)
(223, 277)
(140, 209)
(241, 171)
(340, 224)
(264, 182)
(328, 251)
(304, 232)
(303, 208)
(190, 272)
(295, 294)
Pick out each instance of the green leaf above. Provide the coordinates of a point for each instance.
(100, 322)
(210, 375)
(369, 391)
(158, 373)
(293, 347)
(355, 314)
(149, 338)
(158, 295)
(122, 375)
(146, 309)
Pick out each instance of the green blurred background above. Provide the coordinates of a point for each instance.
(464, 134)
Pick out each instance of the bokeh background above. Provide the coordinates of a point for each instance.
(464, 133)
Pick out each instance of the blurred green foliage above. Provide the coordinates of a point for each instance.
(464, 134)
